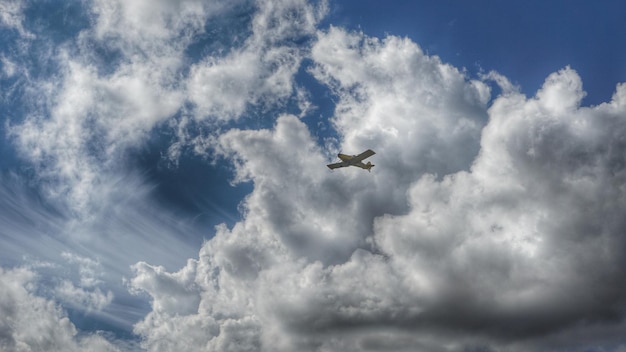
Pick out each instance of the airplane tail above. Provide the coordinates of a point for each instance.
(369, 166)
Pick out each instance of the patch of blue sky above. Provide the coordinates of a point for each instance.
(8, 159)
(55, 25)
(221, 34)
(323, 102)
(59, 20)
(525, 41)
(196, 188)
(11, 109)
(105, 58)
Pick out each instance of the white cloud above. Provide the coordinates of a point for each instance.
(89, 270)
(178, 293)
(11, 15)
(505, 85)
(424, 114)
(73, 296)
(150, 26)
(94, 120)
(561, 93)
(514, 246)
(261, 71)
(86, 293)
(8, 67)
(290, 266)
(32, 323)
(281, 268)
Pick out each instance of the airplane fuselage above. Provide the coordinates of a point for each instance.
(348, 160)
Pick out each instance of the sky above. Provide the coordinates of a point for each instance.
(163, 179)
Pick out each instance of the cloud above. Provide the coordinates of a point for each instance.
(146, 22)
(136, 71)
(115, 85)
(92, 123)
(426, 115)
(261, 71)
(74, 296)
(83, 263)
(8, 67)
(86, 293)
(514, 244)
(488, 223)
(32, 323)
(11, 16)
(179, 291)
(89, 269)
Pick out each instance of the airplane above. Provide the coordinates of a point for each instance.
(354, 160)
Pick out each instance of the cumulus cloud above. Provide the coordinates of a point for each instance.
(487, 225)
(32, 323)
(524, 245)
(426, 115)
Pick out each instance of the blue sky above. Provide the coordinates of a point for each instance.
(526, 41)
(164, 188)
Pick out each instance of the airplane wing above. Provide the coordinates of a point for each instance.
(366, 154)
(335, 165)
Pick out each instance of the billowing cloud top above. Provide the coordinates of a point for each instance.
(491, 222)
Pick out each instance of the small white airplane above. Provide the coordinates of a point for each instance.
(354, 160)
